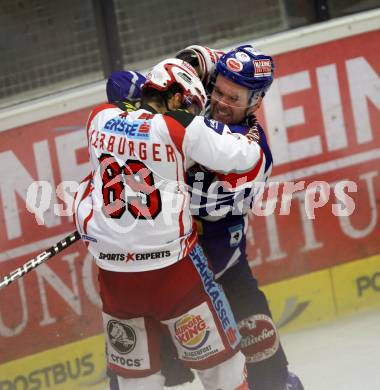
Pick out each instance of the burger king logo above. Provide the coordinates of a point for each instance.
(191, 331)
(234, 65)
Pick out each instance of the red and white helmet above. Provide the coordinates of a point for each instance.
(173, 70)
(202, 58)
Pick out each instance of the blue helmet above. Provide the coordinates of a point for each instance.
(247, 67)
(124, 86)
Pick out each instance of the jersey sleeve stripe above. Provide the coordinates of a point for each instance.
(191, 240)
(87, 178)
(176, 132)
(86, 193)
(235, 179)
(96, 111)
(177, 135)
(87, 220)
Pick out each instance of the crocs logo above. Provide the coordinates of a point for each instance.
(121, 336)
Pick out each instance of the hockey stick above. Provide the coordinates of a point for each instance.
(41, 258)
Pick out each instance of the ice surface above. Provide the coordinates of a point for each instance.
(340, 355)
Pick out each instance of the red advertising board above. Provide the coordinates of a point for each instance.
(56, 303)
(322, 117)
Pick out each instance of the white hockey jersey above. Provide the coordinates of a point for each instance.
(133, 209)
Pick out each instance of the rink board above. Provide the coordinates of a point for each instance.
(296, 303)
(78, 365)
(356, 285)
(323, 295)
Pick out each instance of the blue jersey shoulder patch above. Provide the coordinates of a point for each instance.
(214, 125)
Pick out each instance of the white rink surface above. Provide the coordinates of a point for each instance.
(341, 355)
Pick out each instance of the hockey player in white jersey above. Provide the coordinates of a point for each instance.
(133, 213)
(267, 365)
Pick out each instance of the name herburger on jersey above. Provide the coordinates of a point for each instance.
(112, 139)
(133, 256)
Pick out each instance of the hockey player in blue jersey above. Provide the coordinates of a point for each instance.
(237, 86)
(240, 81)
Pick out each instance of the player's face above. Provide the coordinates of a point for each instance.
(229, 101)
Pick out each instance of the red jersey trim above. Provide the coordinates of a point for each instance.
(233, 180)
(86, 193)
(176, 132)
(96, 111)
